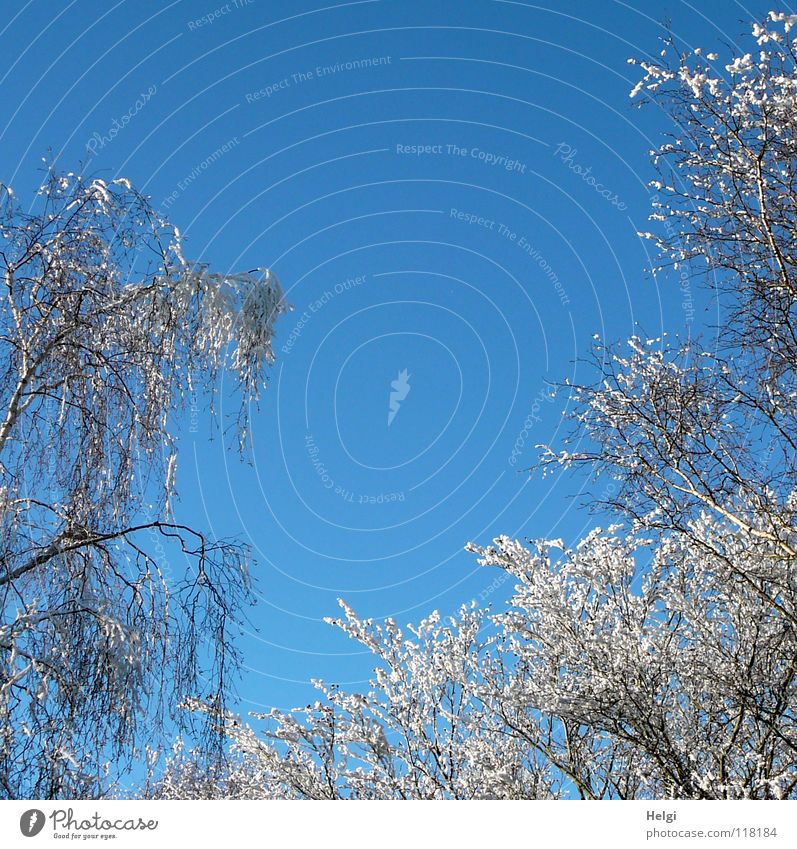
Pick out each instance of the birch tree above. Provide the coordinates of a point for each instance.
(110, 610)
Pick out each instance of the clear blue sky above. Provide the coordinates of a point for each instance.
(287, 135)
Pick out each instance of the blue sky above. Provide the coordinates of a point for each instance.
(451, 189)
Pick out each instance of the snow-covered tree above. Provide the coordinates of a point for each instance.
(621, 670)
(656, 658)
(110, 611)
(427, 730)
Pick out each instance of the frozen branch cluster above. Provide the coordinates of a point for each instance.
(619, 671)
